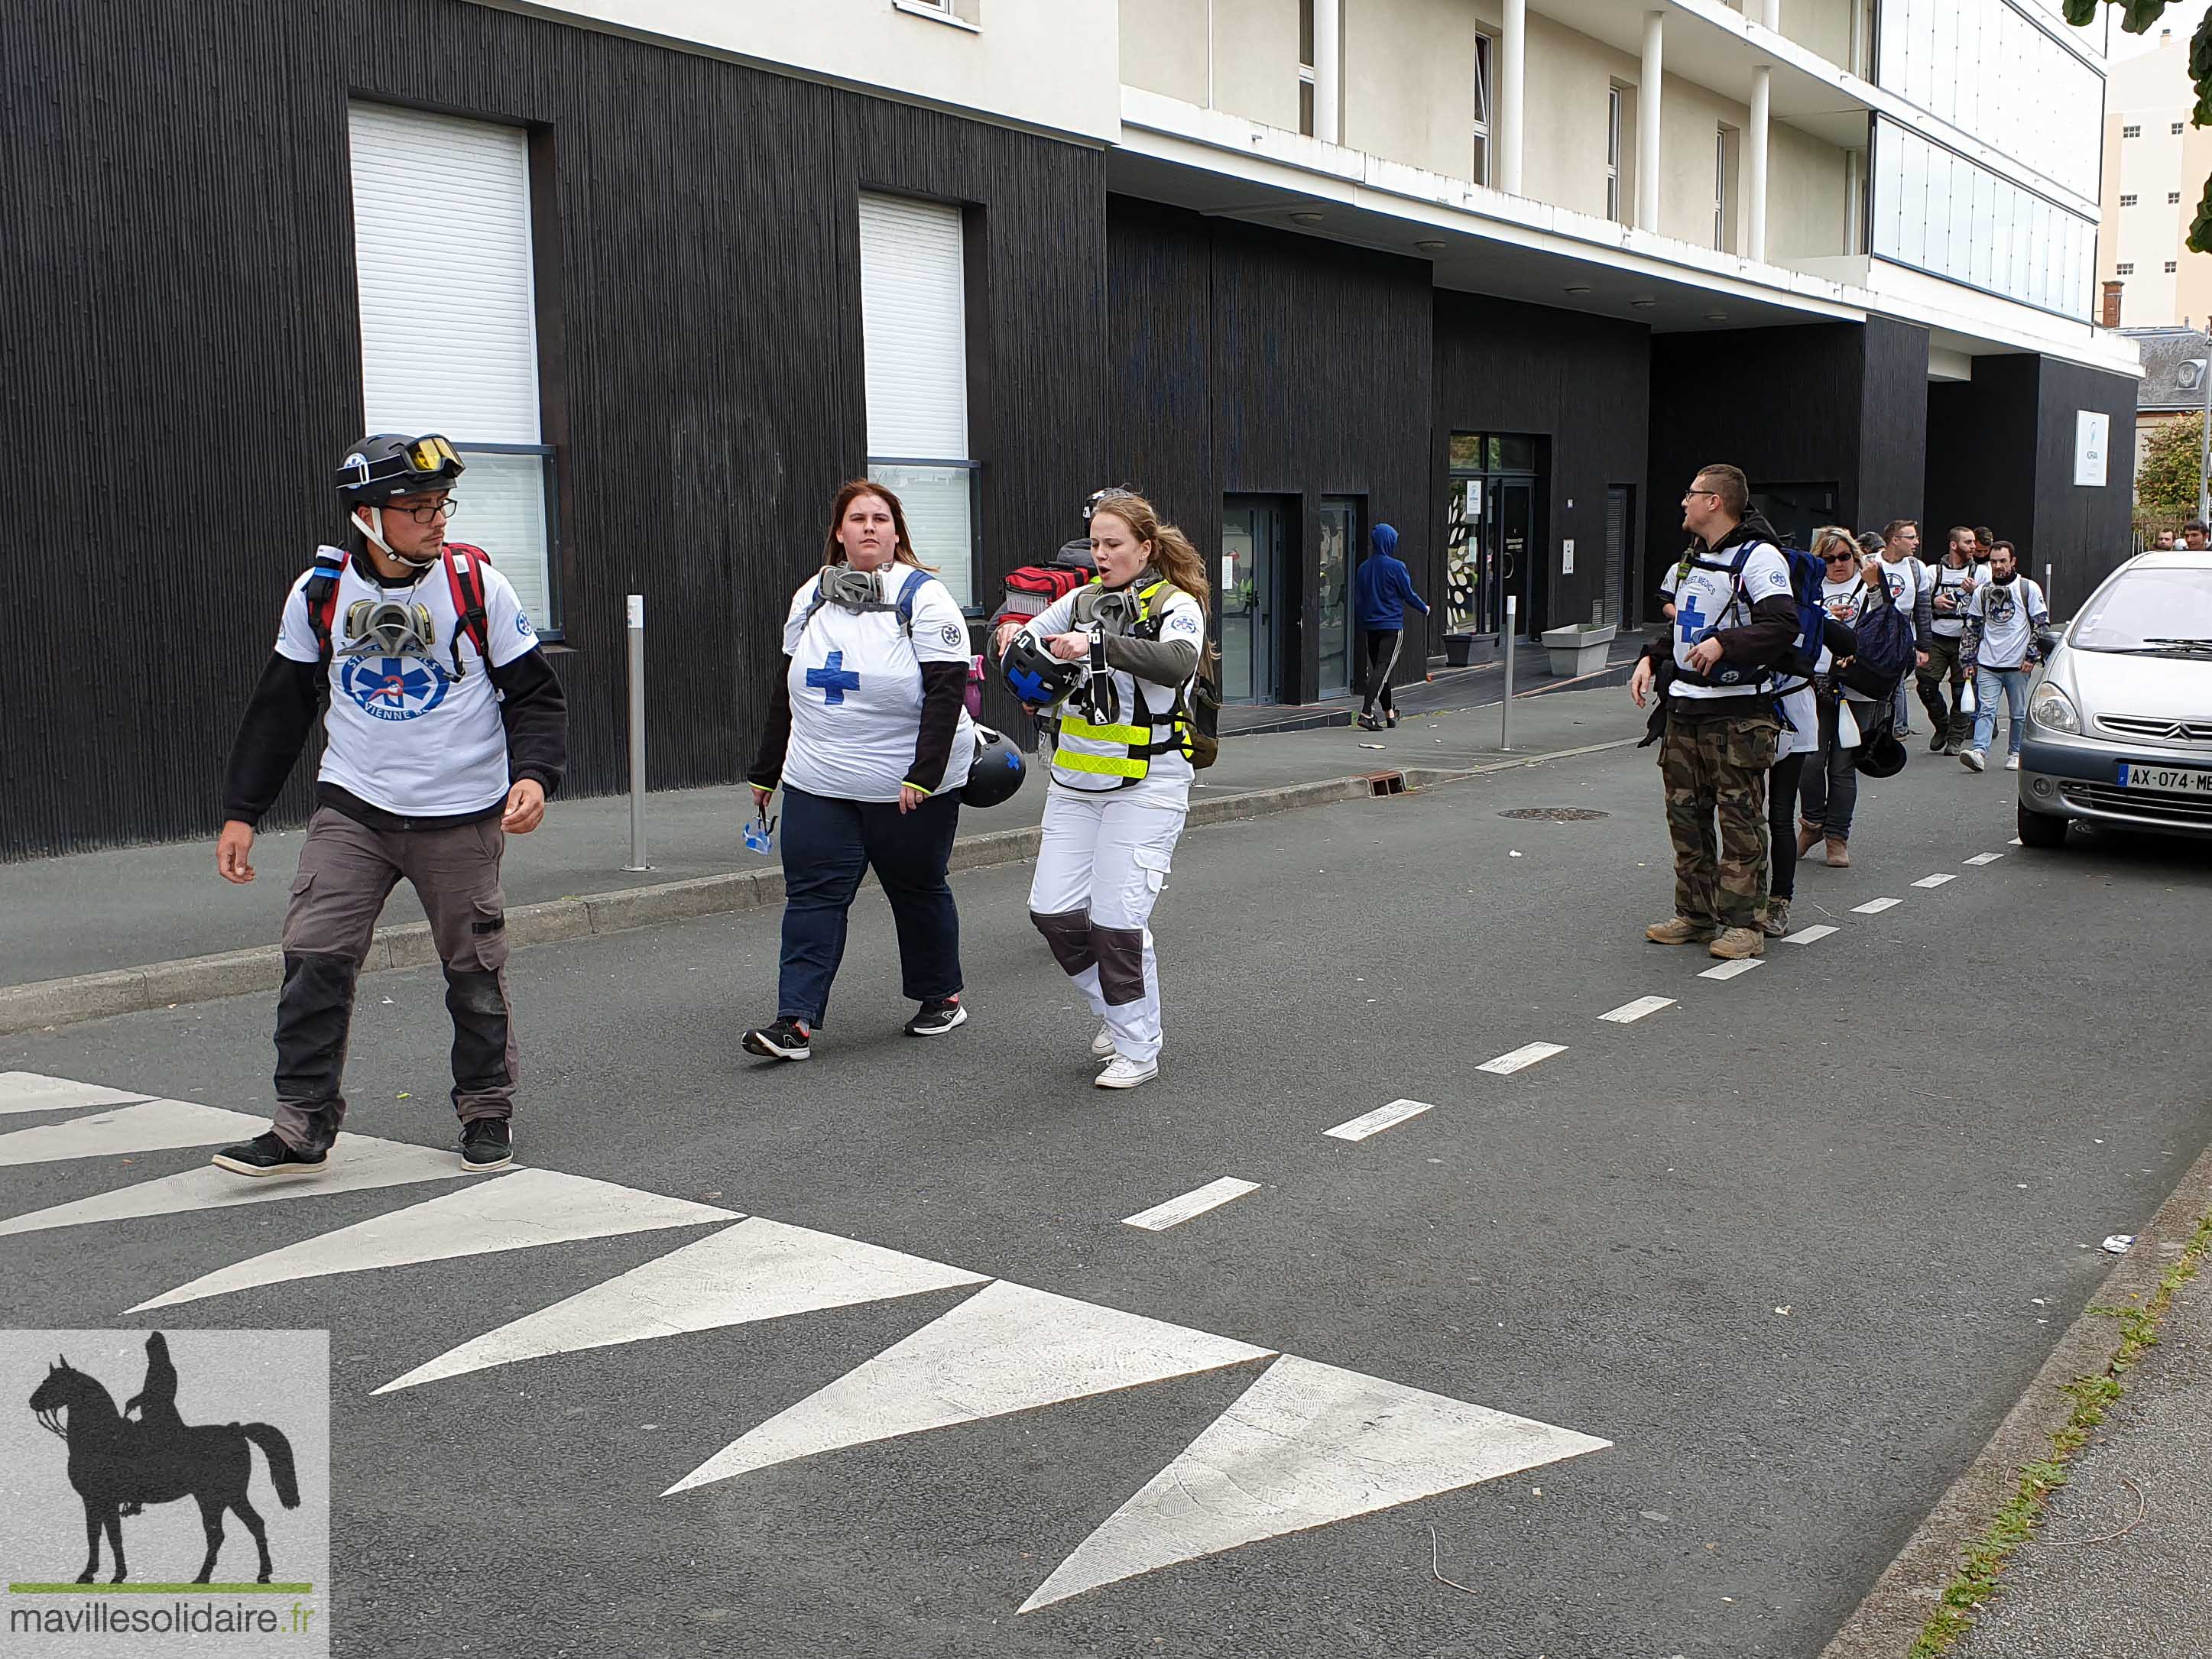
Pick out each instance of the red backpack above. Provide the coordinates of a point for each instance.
(464, 580)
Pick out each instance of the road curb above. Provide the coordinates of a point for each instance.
(1885, 1623)
(46, 1003)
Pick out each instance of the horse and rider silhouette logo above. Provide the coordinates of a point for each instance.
(118, 1464)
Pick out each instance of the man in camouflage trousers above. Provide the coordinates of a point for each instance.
(1734, 616)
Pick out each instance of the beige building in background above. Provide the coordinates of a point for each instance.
(2155, 165)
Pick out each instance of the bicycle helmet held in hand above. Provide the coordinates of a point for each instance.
(997, 771)
(1033, 674)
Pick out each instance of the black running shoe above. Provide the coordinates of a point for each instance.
(787, 1039)
(938, 1015)
(270, 1154)
(486, 1144)
(1936, 743)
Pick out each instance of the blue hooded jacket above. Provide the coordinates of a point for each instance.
(1383, 585)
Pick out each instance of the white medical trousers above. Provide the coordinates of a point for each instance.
(1099, 870)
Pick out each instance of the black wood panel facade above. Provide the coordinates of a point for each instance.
(1253, 361)
(179, 320)
(1580, 382)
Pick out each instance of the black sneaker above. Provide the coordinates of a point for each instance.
(1936, 742)
(938, 1015)
(787, 1039)
(270, 1154)
(486, 1144)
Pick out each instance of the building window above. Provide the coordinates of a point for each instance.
(1306, 67)
(457, 357)
(1724, 140)
(2131, 132)
(2172, 198)
(2169, 267)
(1483, 48)
(1612, 154)
(2127, 201)
(2177, 129)
(914, 329)
(2123, 271)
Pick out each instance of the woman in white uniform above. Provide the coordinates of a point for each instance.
(1120, 772)
(870, 737)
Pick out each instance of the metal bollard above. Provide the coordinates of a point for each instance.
(1505, 708)
(2047, 602)
(637, 735)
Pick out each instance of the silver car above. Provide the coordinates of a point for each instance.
(2119, 723)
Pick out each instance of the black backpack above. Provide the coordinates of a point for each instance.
(1885, 649)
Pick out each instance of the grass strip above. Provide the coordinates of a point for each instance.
(1975, 1580)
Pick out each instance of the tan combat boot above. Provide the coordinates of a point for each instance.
(1680, 931)
(1735, 943)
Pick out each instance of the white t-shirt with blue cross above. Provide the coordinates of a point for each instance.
(855, 684)
(403, 734)
(1707, 601)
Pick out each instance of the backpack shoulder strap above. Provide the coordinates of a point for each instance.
(907, 596)
(465, 580)
(322, 596)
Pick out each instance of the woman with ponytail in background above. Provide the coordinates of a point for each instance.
(1120, 772)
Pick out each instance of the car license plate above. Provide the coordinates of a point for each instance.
(2167, 780)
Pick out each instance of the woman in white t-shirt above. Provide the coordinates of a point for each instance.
(869, 735)
(1120, 772)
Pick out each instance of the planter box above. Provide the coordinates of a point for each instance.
(1458, 648)
(1579, 650)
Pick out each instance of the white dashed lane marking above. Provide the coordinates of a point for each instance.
(1526, 1055)
(1809, 935)
(1934, 881)
(1629, 1013)
(1875, 907)
(1987, 858)
(1382, 1118)
(1730, 969)
(1176, 1211)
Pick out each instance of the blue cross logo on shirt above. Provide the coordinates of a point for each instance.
(1693, 620)
(832, 679)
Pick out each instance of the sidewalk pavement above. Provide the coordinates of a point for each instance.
(111, 912)
(2121, 1567)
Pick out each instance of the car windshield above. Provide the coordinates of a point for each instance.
(2150, 610)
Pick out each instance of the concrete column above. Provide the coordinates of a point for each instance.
(1647, 121)
(1754, 166)
(1770, 14)
(1505, 115)
(1329, 71)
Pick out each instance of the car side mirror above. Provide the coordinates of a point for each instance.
(2047, 642)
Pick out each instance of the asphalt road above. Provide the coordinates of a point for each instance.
(1793, 1245)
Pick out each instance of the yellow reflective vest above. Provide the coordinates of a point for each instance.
(1122, 745)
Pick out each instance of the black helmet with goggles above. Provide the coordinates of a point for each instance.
(385, 465)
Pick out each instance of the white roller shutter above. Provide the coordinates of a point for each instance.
(449, 316)
(914, 336)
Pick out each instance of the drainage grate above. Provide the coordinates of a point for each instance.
(1386, 783)
(1556, 814)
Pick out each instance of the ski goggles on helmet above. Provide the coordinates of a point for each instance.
(385, 629)
(384, 467)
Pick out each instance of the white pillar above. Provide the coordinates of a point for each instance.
(1647, 122)
(1770, 14)
(1328, 72)
(1754, 166)
(1505, 116)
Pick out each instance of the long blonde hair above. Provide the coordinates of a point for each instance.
(1172, 556)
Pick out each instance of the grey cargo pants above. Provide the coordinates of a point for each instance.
(346, 872)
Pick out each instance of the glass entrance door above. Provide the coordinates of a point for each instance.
(1491, 548)
(1516, 528)
(1255, 543)
(1340, 535)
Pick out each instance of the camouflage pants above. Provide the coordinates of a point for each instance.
(1715, 769)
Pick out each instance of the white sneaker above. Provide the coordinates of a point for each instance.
(1102, 1046)
(1972, 760)
(1127, 1073)
(2012, 762)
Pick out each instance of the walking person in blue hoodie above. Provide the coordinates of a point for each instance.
(1383, 587)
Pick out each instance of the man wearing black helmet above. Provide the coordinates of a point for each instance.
(446, 730)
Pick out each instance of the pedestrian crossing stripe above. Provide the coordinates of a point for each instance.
(1304, 1445)
(28, 1092)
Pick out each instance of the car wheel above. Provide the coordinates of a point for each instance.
(2041, 829)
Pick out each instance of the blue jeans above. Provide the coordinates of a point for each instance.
(1986, 681)
(827, 845)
